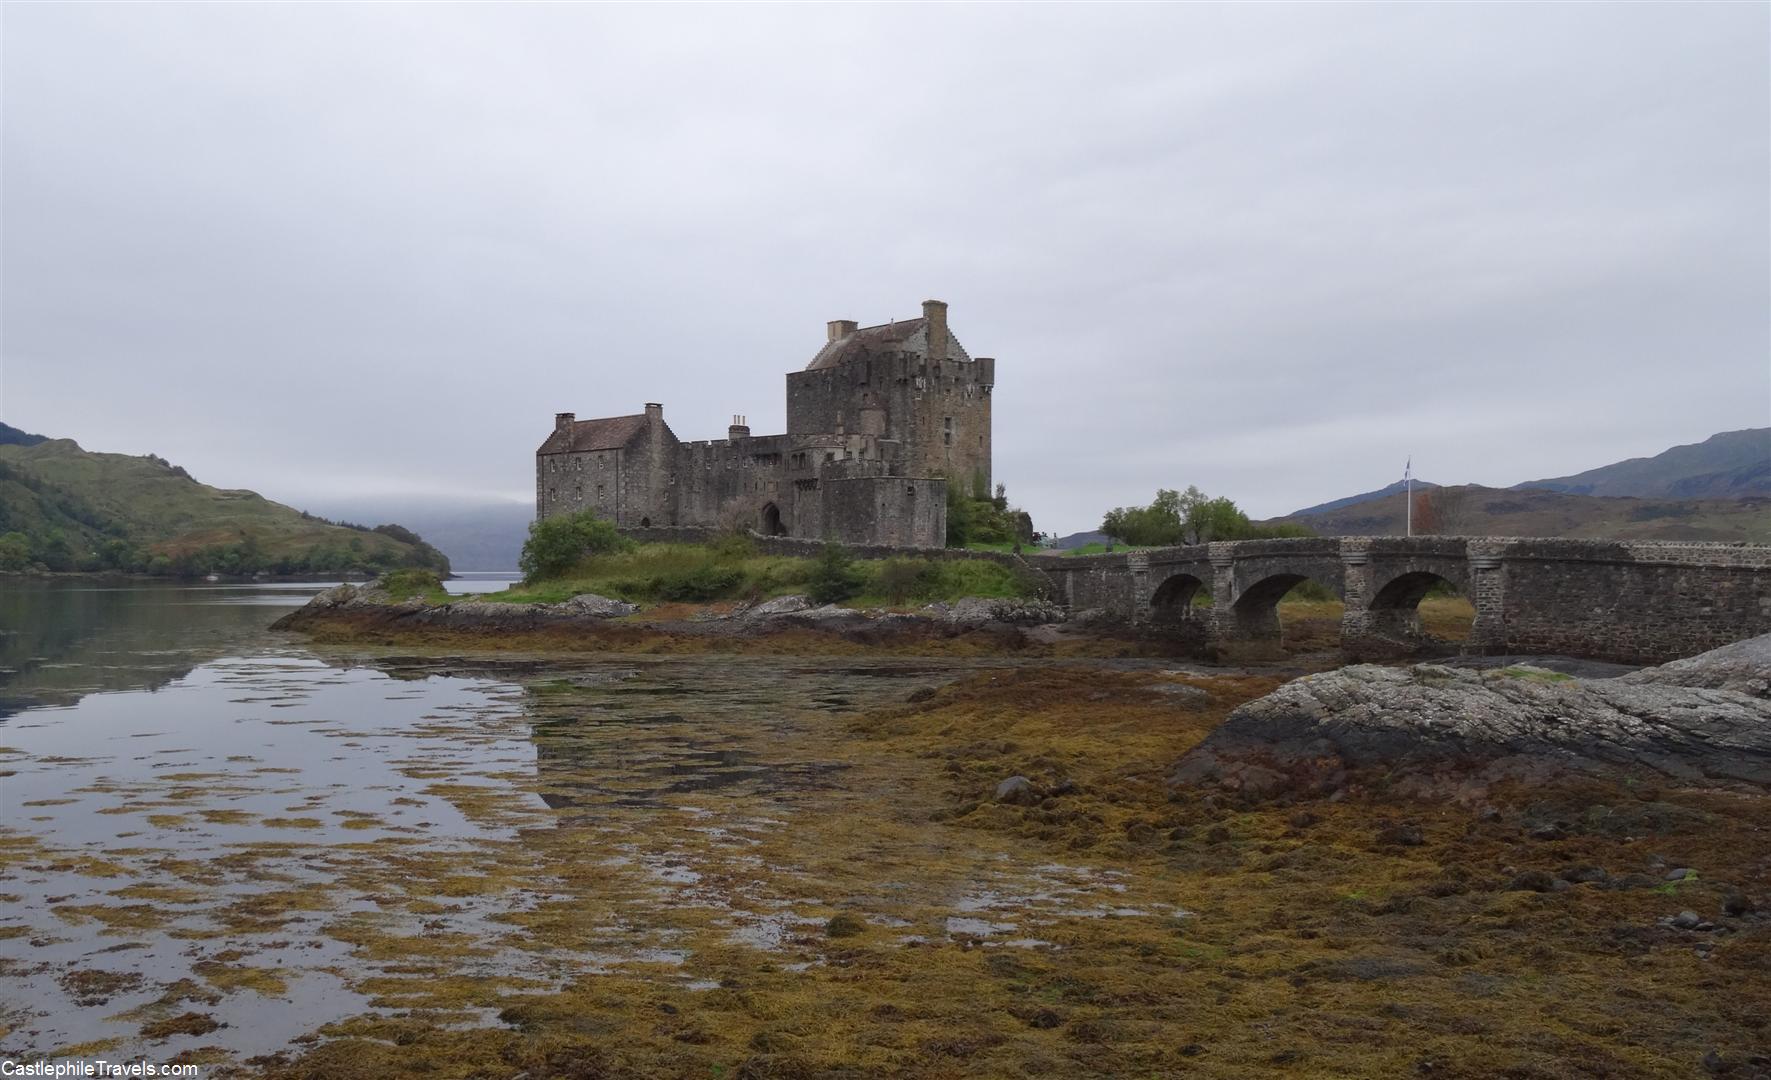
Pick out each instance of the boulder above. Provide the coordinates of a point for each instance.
(1017, 791)
(780, 605)
(1448, 731)
(1743, 667)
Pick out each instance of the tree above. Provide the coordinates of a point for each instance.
(15, 551)
(835, 577)
(1188, 517)
(556, 544)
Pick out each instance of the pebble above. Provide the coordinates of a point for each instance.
(1686, 920)
(1017, 790)
(1680, 874)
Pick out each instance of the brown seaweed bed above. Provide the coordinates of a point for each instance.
(793, 867)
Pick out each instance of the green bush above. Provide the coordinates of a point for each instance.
(15, 551)
(405, 584)
(702, 583)
(834, 576)
(556, 544)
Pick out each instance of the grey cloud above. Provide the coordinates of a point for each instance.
(1271, 250)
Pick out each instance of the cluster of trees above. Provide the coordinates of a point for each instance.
(1188, 517)
(55, 550)
(985, 519)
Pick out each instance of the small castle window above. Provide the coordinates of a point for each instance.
(910, 490)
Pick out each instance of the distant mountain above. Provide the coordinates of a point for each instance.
(1076, 540)
(1335, 504)
(64, 508)
(476, 534)
(1733, 464)
(1471, 510)
(11, 436)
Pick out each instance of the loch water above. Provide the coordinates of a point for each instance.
(219, 842)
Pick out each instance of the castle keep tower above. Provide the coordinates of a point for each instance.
(880, 422)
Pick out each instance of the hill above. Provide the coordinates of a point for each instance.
(11, 436)
(1732, 464)
(65, 508)
(1335, 504)
(1471, 510)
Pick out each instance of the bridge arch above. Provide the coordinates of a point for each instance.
(1254, 614)
(1173, 599)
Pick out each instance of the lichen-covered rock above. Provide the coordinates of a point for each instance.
(1744, 667)
(973, 611)
(596, 607)
(1446, 731)
(780, 605)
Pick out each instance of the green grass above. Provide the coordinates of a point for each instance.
(407, 584)
(661, 573)
(1098, 548)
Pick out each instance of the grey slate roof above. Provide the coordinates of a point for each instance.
(906, 335)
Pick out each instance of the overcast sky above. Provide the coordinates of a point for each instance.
(1271, 250)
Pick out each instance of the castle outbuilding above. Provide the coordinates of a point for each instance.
(880, 422)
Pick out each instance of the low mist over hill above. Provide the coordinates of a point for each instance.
(476, 534)
(65, 508)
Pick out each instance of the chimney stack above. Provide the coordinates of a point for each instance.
(654, 411)
(841, 328)
(740, 429)
(934, 313)
(562, 421)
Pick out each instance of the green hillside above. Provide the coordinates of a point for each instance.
(64, 508)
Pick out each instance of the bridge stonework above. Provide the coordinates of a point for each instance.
(1627, 601)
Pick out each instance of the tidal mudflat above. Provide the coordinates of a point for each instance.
(361, 862)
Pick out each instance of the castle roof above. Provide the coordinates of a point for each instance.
(609, 433)
(906, 335)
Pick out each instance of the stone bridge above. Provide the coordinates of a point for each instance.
(1627, 601)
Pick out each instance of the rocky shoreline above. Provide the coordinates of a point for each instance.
(1440, 731)
(370, 612)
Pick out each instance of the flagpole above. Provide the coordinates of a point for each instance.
(1408, 495)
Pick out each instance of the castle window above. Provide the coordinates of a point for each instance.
(829, 455)
(947, 435)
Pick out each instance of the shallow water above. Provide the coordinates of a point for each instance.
(217, 841)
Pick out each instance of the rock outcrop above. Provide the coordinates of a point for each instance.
(1438, 730)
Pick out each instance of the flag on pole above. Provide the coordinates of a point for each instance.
(1408, 496)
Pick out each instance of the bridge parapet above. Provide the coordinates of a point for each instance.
(1631, 601)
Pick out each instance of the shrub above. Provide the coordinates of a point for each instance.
(900, 579)
(405, 584)
(556, 544)
(834, 576)
(701, 583)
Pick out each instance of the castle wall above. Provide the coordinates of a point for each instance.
(568, 483)
(894, 510)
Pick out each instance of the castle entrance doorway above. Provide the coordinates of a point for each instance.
(771, 521)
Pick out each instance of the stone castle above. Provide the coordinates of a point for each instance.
(881, 421)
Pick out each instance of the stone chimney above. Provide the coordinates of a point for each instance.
(654, 411)
(935, 313)
(562, 421)
(840, 328)
(740, 429)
